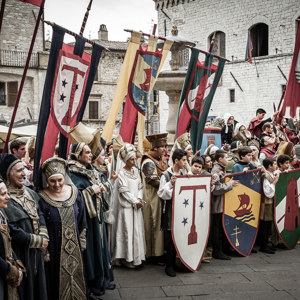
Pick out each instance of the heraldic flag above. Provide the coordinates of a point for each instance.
(34, 2)
(69, 79)
(287, 208)
(139, 72)
(241, 211)
(199, 87)
(292, 94)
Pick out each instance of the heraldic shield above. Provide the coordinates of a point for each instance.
(191, 218)
(241, 211)
(142, 78)
(287, 208)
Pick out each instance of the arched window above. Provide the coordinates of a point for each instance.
(260, 39)
(219, 45)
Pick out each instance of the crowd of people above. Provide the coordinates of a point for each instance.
(111, 206)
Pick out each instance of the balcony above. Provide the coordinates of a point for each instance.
(17, 59)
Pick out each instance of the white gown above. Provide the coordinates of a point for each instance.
(130, 234)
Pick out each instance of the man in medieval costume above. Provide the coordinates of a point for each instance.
(27, 228)
(152, 167)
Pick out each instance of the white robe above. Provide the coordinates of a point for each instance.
(130, 234)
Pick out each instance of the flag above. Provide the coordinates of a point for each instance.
(139, 72)
(199, 87)
(292, 93)
(249, 48)
(33, 2)
(69, 79)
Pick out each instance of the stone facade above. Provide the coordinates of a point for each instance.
(16, 33)
(261, 81)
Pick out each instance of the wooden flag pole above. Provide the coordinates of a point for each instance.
(2, 13)
(85, 18)
(73, 34)
(24, 75)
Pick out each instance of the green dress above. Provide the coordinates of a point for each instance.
(96, 255)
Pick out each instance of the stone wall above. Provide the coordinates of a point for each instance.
(18, 26)
(261, 82)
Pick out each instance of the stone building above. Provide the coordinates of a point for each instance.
(17, 29)
(244, 87)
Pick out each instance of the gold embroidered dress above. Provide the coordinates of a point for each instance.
(65, 221)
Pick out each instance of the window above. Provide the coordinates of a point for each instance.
(8, 93)
(12, 91)
(2, 93)
(93, 110)
(219, 44)
(260, 39)
(184, 58)
(232, 95)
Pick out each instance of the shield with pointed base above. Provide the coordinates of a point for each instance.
(68, 89)
(241, 211)
(142, 78)
(191, 218)
(286, 213)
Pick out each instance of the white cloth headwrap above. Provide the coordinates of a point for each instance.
(127, 151)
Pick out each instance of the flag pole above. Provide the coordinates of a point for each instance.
(24, 75)
(74, 34)
(85, 18)
(2, 13)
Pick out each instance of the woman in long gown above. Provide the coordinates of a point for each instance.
(64, 213)
(10, 268)
(130, 234)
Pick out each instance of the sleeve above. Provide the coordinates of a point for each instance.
(150, 173)
(269, 188)
(19, 236)
(262, 156)
(140, 187)
(165, 190)
(4, 268)
(124, 191)
(81, 220)
(43, 231)
(234, 169)
(221, 188)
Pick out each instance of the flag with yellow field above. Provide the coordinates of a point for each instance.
(241, 211)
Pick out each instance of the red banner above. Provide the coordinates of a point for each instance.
(292, 95)
(33, 2)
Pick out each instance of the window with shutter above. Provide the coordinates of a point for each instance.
(12, 91)
(93, 110)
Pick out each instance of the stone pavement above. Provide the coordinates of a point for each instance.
(259, 276)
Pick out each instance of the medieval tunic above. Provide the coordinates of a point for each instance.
(7, 257)
(267, 201)
(27, 228)
(130, 233)
(96, 255)
(151, 171)
(65, 222)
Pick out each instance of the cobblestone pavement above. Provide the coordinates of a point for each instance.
(259, 276)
